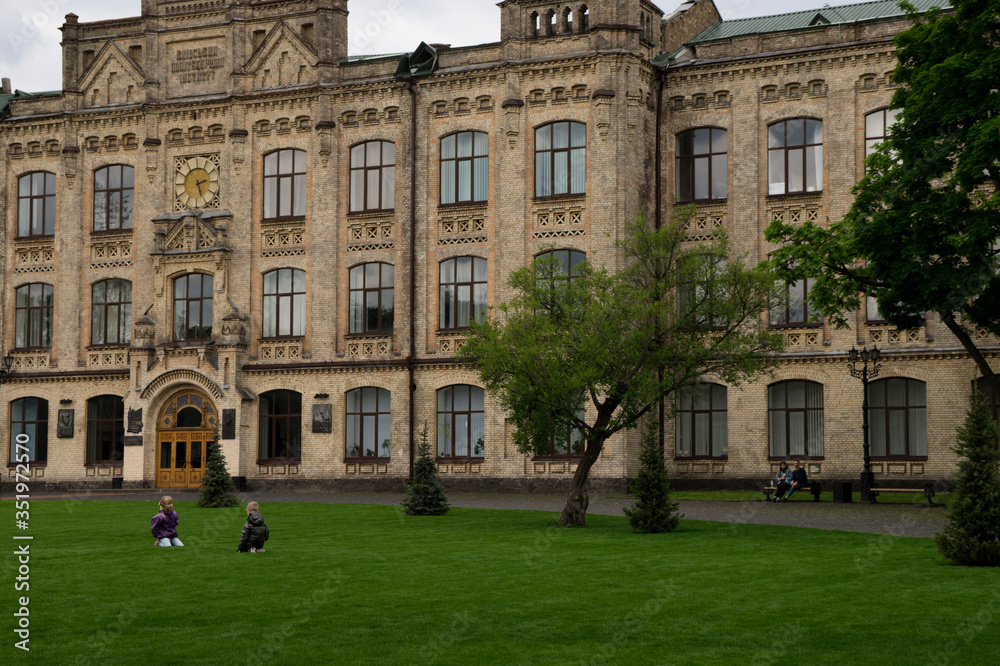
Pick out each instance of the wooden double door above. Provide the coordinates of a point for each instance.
(184, 429)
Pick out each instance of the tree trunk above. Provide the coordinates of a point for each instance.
(970, 346)
(575, 512)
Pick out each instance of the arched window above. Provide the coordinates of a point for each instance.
(533, 23)
(33, 315)
(29, 418)
(702, 165)
(105, 429)
(372, 302)
(114, 197)
(795, 419)
(373, 176)
(702, 425)
(464, 167)
(111, 312)
(795, 156)
(878, 126)
(369, 423)
(463, 291)
(193, 307)
(560, 159)
(280, 425)
(285, 184)
(550, 22)
(897, 417)
(36, 204)
(584, 19)
(568, 19)
(284, 303)
(461, 425)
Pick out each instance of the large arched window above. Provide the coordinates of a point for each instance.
(193, 307)
(373, 176)
(795, 156)
(369, 423)
(372, 299)
(284, 303)
(33, 315)
(464, 167)
(105, 429)
(29, 419)
(461, 425)
(36, 204)
(702, 164)
(111, 312)
(560, 159)
(702, 426)
(795, 419)
(897, 416)
(463, 291)
(877, 127)
(114, 197)
(285, 184)
(280, 425)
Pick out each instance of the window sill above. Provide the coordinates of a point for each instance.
(460, 459)
(704, 202)
(30, 350)
(561, 197)
(271, 462)
(207, 342)
(459, 205)
(30, 463)
(372, 334)
(786, 327)
(109, 346)
(365, 459)
(792, 195)
(110, 232)
(282, 338)
(116, 463)
(791, 457)
(353, 214)
(286, 218)
(458, 330)
(575, 456)
(29, 239)
(889, 459)
(715, 458)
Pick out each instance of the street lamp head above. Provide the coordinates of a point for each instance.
(8, 361)
(864, 354)
(875, 354)
(853, 354)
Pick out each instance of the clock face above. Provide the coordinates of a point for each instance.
(197, 182)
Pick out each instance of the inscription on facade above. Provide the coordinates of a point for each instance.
(197, 65)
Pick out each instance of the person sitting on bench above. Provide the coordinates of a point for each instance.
(799, 480)
(783, 480)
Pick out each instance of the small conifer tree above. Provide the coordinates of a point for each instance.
(425, 496)
(972, 535)
(652, 511)
(216, 485)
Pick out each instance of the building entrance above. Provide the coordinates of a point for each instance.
(186, 425)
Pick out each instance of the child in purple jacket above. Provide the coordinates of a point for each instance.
(164, 524)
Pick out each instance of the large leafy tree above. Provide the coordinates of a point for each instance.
(619, 341)
(922, 233)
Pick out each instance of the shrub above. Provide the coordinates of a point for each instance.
(425, 496)
(972, 535)
(652, 511)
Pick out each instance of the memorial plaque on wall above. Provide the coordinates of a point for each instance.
(133, 440)
(135, 420)
(228, 424)
(64, 426)
(322, 418)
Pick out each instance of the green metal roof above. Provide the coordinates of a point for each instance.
(864, 11)
(5, 100)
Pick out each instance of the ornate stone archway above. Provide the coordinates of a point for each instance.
(185, 425)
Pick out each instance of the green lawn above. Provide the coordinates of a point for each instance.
(367, 584)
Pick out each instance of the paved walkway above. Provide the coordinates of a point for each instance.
(917, 519)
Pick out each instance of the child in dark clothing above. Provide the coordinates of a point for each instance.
(254, 532)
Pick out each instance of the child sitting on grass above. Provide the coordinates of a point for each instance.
(254, 532)
(164, 524)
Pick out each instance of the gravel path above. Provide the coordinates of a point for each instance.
(917, 519)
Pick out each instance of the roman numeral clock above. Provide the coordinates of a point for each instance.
(196, 183)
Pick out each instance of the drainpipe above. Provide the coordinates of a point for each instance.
(657, 214)
(412, 353)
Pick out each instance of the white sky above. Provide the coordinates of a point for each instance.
(31, 57)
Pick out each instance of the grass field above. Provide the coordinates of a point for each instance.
(355, 584)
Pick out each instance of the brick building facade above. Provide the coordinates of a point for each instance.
(224, 220)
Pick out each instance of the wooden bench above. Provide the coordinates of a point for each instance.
(927, 491)
(814, 487)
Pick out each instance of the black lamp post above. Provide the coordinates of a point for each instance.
(864, 374)
(5, 372)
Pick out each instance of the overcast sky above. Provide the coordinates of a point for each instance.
(29, 37)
